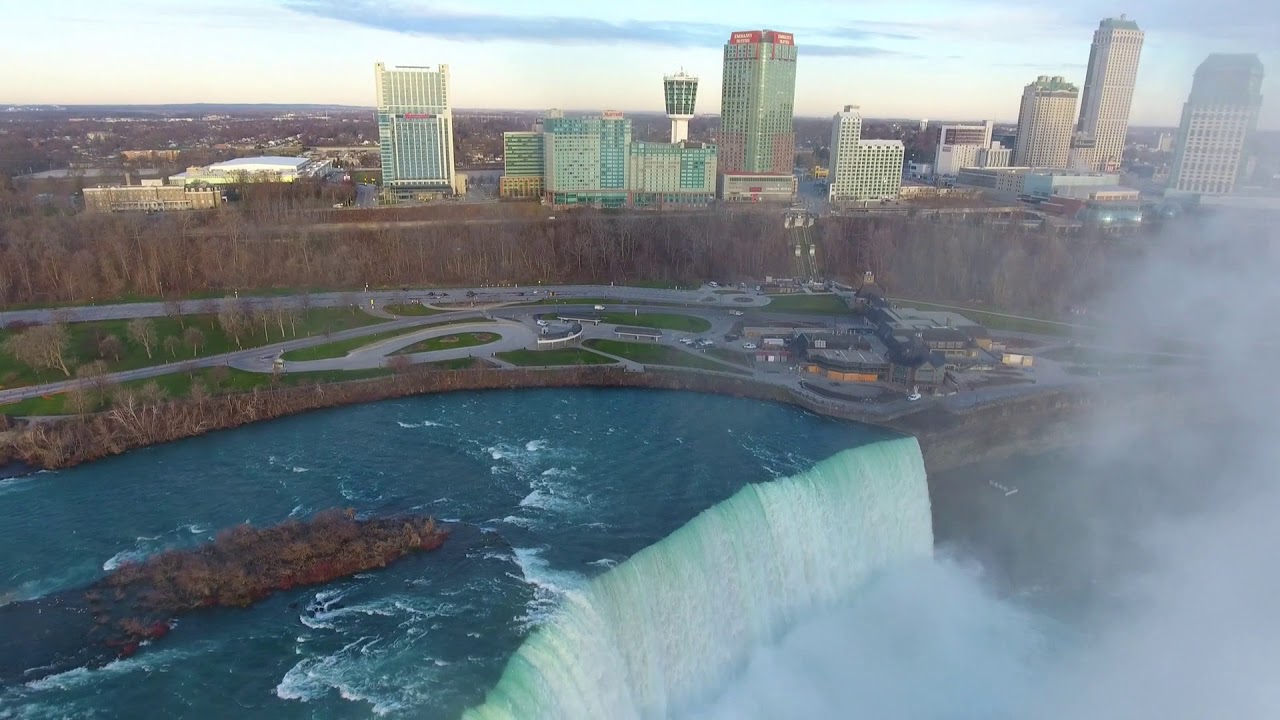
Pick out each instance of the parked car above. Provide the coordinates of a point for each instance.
(748, 346)
(686, 341)
(542, 323)
(713, 284)
(913, 397)
(599, 307)
(736, 313)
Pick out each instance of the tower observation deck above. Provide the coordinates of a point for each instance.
(680, 92)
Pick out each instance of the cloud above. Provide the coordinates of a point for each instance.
(558, 30)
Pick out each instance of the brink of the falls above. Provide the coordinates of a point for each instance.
(669, 626)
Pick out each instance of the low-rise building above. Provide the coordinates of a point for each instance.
(150, 198)
(749, 187)
(254, 169)
(998, 180)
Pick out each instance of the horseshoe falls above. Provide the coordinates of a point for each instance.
(663, 631)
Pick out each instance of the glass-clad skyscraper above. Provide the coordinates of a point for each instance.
(415, 131)
(757, 103)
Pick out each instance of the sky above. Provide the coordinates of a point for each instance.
(910, 58)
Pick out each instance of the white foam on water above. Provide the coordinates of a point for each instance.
(550, 586)
(535, 445)
(300, 469)
(14, 484)
(667, 628)
(124, 557)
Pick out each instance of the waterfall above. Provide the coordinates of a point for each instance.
(673, 623)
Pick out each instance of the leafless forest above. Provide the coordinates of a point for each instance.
(267, 243)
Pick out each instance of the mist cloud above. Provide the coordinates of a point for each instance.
(1165, 519)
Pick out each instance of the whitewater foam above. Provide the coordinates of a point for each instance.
(665, 629)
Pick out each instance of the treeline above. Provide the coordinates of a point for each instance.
(65, 259)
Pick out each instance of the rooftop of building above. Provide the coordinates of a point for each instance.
(1054, 83)
(848, 358)
(264, 162)
(1121, 23)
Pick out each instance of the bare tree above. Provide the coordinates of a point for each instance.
(193, 339)
(172, 344)
(80, 400)
(143, 332)
(94, 379)
(151, 393)
(110, 346)
(42, 347)
(399, 364)
(232, 323)
(173, 309)
(219, 376)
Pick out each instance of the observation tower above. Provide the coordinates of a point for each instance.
(680, 91)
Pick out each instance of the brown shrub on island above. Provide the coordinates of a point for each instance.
(245, 564)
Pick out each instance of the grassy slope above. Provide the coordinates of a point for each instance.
(340, 348)
(412, 310)
(562, 356)
(662, 321)
(450, 342)
(801, 303)
(85, 337)
(178, 385)
(654, 354)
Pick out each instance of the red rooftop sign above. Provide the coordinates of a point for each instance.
(745, 38)
(784, 38)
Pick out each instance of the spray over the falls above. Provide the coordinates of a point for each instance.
(668, 627)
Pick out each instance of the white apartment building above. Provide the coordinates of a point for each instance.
(862, 169)
(1108, 95)
(1218, 119)
(1046, 119)
(959, 146)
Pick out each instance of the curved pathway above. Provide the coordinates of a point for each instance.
(512, 336)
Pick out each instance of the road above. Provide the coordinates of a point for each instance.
(516, 323)
(701, 297)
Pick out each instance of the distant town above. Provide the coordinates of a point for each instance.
(188, 251)
(1070, 160)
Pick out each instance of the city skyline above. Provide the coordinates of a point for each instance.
(915, 59)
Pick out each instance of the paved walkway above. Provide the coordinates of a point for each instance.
(512, 336)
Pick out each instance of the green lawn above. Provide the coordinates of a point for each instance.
(726, 291)
(340, 348)
(661, 321)
(218, 381)
(562, 356)
(655, 354)
(1113, 358)
(411, 310)
(450, 342)
(996, 321)
(466, 363)
(801, 303)
(85, 339)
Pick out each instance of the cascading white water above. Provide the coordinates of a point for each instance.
(667, 627)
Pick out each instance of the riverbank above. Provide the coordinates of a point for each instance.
(950, 437)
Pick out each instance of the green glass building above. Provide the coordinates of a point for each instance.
(680, 174)
(757, 103)
(523, 166)
(585, 160)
